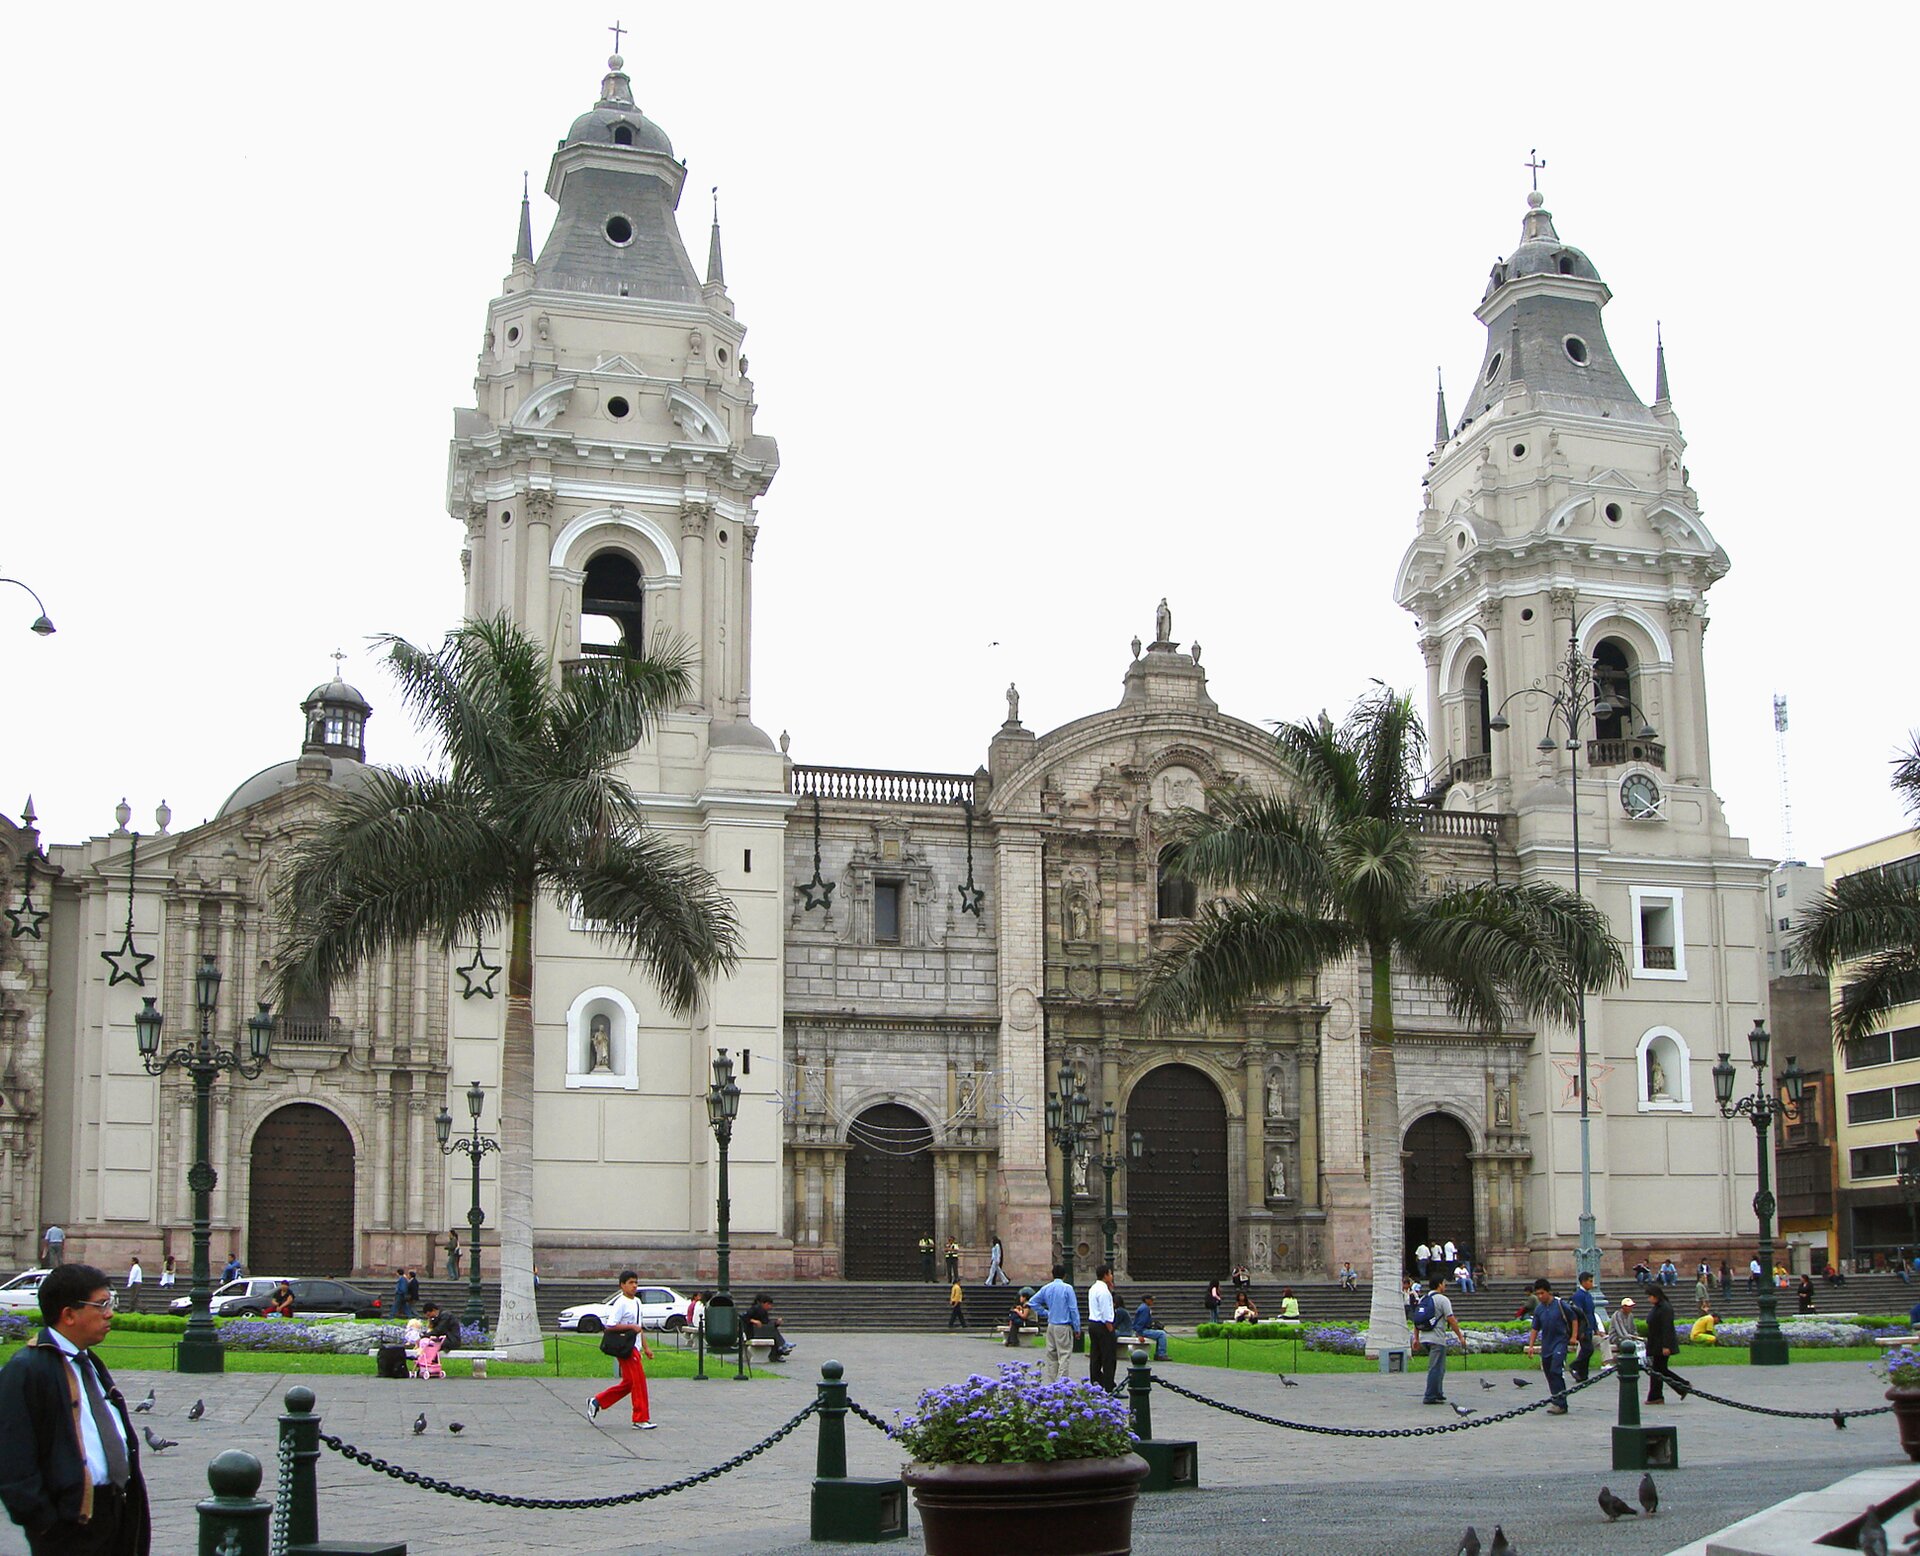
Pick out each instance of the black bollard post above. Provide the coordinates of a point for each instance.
(1140, 1392)
(233, 1521)
(300, 1442)
(1637, 1447)
(1171, 1465)
(852, 1508)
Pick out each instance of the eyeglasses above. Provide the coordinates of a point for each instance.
(105, 1304)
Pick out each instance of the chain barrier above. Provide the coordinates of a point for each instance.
(277, 1537)
(560, 1504)
(871, 1419)
(1838, 1417)
(1377, 1431)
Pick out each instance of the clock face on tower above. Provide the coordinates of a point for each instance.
(1640, 796)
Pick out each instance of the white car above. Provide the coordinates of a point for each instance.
(241, 1298)
(22, 1293)
(660, 1308)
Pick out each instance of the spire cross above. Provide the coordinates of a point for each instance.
(339, 658)
(616, 29)
(1536, 162)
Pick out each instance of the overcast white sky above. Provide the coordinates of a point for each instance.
(1053, 309)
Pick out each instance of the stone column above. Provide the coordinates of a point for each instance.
(381, 1209)
(1491, 616)
(416, 1159)
(1256, 1094)
(694, 516)
(537, 507)
(1027, 1190)
(1430, 646)
(1308, 1101)
(743, 635)
(1686, 734)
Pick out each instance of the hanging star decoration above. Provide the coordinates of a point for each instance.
(1570, 1072)
(1008, 1100)
(971, 896)
(128, 961)
(477, 976)
(818, 892)
(26, 919)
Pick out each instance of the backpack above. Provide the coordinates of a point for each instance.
(1424, 1315)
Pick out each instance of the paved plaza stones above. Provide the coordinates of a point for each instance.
(1264, 1487)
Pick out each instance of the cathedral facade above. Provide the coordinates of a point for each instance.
(928, 957)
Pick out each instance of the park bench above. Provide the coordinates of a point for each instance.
(477, 1357)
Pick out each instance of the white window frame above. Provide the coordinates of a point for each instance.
(1673, 896)
(625, 1074)
(1679, 1072)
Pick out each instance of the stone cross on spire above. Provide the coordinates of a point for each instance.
(339, 658)
(1535, 162)
(616, 29)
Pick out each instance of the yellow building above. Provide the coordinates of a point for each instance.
(1877, 1098)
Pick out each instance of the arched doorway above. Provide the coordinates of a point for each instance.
(300, 1194)
(1438, 1179)
(1177, 1221)
(889, 1193)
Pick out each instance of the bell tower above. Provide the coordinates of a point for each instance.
(1558, 526)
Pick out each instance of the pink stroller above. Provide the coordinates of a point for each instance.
(426, 1361)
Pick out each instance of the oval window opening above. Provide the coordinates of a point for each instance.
(617, 408)
(513, 335)
(1577, 349)
(619, 231)
(1613, 513)
(1493, 368)
(1519, 451)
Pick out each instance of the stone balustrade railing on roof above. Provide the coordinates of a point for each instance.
(883, 786)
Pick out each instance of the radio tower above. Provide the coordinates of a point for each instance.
(1786, 802)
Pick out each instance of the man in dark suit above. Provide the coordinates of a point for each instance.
(69, 1462)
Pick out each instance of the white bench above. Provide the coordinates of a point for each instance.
(478, 1358)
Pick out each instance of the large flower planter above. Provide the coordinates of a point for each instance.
(1075, 1507)
(1906, 1413)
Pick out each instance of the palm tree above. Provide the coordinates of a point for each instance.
(1869, 924)
(1331, 869)
(530, 801)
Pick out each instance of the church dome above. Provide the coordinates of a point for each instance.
(334, 750)
(343, 773)
(338, 691)
(1540, 252)
(615, 120)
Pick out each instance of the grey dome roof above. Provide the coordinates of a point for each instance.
(1540, 252)
(337, 690)
(596, 127)
(343, 773)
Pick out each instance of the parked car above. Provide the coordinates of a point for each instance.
(22, 1293)
(661, 1307)
(249, 1296)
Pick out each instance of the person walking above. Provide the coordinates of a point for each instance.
(167, 1273)
(1726, 1278)
(1702, 1294)
(136, 1278)
(1663, 1344)
(1145, 1327)
(926, 1260)
(1555, 1328)
(1753, 1273)
(953, 1260)
(1103, 1347)
(1434, 1316)
(69, 1462)
(623, 1328)
(956, 1312)
(996, 1274)
(1805, 1293)
(413, 1290)
(402, 1308)
(1214, 1299)
(1582, 1303)
(1057, 1307)
(55, 1243)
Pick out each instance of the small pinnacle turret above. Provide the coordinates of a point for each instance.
(1440, 423)
(1661, 396)
(716, 271)
(523, 248)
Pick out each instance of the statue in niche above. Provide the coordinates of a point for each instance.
(813, 1088)
(1277, 1179)
(1080, 1164)
(1013, 703)
(1503, 1108)
(967, 1103)
(1162, 622)
(1276, 1096)
(599, 1043)
(1656, 1077)
(1079, 920)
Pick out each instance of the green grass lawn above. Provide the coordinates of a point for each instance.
(568, 1356)
(1272, 1356)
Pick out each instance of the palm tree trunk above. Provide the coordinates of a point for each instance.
(1387, 1314)
(518, 1329)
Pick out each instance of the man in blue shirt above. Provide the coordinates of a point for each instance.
(1057, 1306)
(1555, 1327)
(1144, 1328)
(1582, 1303)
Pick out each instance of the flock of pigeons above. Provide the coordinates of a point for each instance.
(1610, 1504)
(158, 1444)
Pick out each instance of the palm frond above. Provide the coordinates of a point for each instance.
(1529, 948)
(1875, 987)
(1250, 840)
(1860, 915)
(1906, 776)
(660, 906)
(608, 705)
(1389, 744)
(1376, 863)
(1314, 755)
(1237, 952)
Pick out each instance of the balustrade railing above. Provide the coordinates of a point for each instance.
(1471, 769)
(309, 1029)
(1659, 958)
(887, 787)
(1616, 753)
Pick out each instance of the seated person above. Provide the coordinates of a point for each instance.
(280, 1304)
(1702, 1332)
(1349, 1276)
(1019, 1314)
(1642, 1274)
(1289, 1303)
(442, 1326)
(1244, 1311)
(762, 1325)
(1146, 1328)
(1833, 1277)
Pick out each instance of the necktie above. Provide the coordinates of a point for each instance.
(104, 1420)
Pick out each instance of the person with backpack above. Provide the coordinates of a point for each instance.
(1556, 1327)
(1432, 1317)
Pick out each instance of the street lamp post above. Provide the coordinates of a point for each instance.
(1109, 1164)
(475, 1146)
(1066, 1119)
(1577, 699)
(41, 623)
(1769, 1347)
(203, 1059)
(1909, 1157)
(723, 1106)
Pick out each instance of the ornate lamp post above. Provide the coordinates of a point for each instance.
(723, 1106)
(1109, 1164)
(41, 624)
(1769, 1347)
(1066, 1118)
(1910, 1192)
(1576, 699)
(475, 1146)
(200, 1349)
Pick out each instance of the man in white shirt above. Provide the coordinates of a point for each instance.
(1451, 1254)
(1103, 1348)
(624, 1319)
(134, 1280)
(1420, 1256)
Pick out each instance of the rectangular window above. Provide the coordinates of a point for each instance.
(1875, 1048)
(1874, 1161)
(886, 912)
(1780, 890)
(1906, 1044)
(1870, 1107)
(1785, 925)
(1659, 939)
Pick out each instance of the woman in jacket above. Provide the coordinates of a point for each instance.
(1663, 1344)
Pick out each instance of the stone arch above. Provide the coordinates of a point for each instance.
(1666, 1048)
(640, 534)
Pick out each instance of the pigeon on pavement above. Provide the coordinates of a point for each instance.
(456, 1427)
(1649, 1495)
(1486, 1383)
(1500, 1547)
(1463, 1411)
(158, 1444)
(199, 1409)
(145, 1405)
(1613, 1506)
(1520, 1383)
(1840, 1420)
(1469, 1543)
(419, 1423)
(1287, 1382)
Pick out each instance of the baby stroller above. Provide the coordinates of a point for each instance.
(426, 1361)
